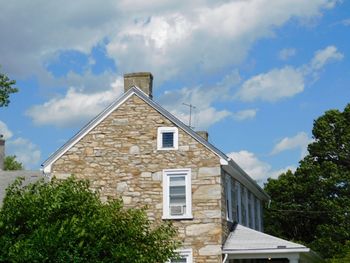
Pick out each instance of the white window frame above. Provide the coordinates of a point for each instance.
(228, 198)
(160, 132)
(185, 253)
(166, 193)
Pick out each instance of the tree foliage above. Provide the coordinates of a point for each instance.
(64, 221)
(312, 205)
(11, 164)
(6, 88)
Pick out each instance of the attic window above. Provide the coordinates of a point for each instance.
(167, 138)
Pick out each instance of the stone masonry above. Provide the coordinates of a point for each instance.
(120, 158)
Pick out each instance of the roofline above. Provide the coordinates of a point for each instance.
(245, 177)
(267, 250)
(46, 165)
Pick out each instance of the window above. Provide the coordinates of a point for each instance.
(228, 198)
(167, 138)
(251, 205)
(244, 205)
(177, 199)
(234, 200)
(258, 214)
(238, 198)
(185, 256)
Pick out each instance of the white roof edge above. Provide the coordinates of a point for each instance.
(270, 251)
(114, 105)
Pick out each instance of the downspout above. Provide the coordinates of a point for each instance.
(225, 258)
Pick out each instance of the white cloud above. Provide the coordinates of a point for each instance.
(346, 22)
(202, 97)
(5, 131)
(286, 53)
(288, 81)
(256, 168)
(324, 56)
(169, 38)
(26, 152)
(277, 173)
(299, 141)
(244, 114)
(183, 42)
(75, 107)
(273, 85)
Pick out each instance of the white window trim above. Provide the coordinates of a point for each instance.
(160, 131)
(228, 198)
(166, 175)
(187, 253)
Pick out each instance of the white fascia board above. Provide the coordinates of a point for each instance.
(262, 255)
(283, 251)
(223, 161)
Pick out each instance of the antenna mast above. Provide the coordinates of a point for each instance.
(190, 119)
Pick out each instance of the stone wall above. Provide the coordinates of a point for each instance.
(120, 158)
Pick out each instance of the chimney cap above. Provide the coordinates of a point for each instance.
(142, 80)
(138, 74)
(203, 134)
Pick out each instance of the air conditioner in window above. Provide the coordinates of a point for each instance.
(177, 210)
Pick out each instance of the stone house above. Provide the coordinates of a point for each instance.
(138, 151)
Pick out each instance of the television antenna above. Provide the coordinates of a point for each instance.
(190, 119)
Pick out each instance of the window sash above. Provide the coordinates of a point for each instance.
(167, 139)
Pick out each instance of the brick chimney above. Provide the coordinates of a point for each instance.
(203, 134)
(2, 152)
(142, 80)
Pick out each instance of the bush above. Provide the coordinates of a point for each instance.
(64, 221)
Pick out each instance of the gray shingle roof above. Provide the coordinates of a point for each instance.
(244, 239)
(8, 177)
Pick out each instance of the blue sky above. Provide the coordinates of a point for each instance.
(259, 72)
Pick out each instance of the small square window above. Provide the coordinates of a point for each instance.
(167, 138)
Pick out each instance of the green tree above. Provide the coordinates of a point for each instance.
(64, 221)
(344, 258)
(11, 164)
(6, 88)
(312, 205)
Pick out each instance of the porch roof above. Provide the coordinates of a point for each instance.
(244, 239)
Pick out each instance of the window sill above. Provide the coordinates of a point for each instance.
(167, 149)
(185, 217)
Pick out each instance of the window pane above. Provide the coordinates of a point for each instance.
(167, 139)
(180, 260)
(243, 206)
(177, 190)
(177, 194)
